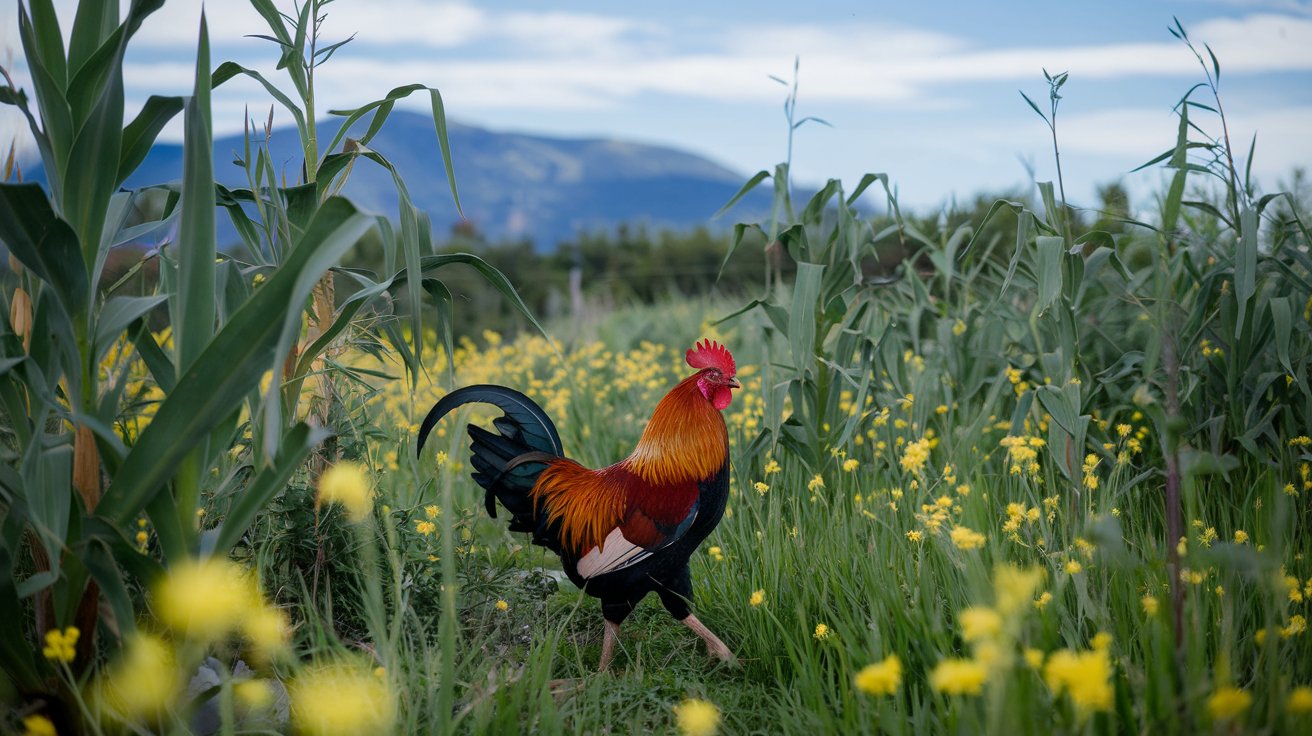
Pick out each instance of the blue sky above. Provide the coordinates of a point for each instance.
(925, 92)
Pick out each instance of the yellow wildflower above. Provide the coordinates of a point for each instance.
(341, 698)
(426, 528)
(1241, 536)
(914, 536)
(758, 597)
(1297, 625)
(1013, 586)
(761, 488)
(347, 484)
(265, 627)
(1300, 701)
(61, 646)
(966, 538)
(815, 483)
(143, 681)
(1085, 676)
(1043, 600)
(957, 676)
(206, 599)
(882, 678)
(697, 717)
(822, 632)
(916, 455)
(502, 606)
(1228, 703)
(771, 467)
(1073, 567)
(38, 725)
(979, 622)
(432, 512)
(254, 695)
(1034, 658)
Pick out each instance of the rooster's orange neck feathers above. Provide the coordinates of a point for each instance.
(685, 440)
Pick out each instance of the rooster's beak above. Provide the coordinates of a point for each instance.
(733, 383)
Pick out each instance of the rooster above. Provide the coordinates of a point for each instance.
(625, 530)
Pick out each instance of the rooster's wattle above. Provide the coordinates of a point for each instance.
(625, 530)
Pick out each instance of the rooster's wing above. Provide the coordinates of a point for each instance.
(654, 519)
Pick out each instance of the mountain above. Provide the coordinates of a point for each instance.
(512, 185)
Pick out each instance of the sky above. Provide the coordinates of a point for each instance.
(925, 92)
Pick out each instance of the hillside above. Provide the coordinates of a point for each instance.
(512, 185)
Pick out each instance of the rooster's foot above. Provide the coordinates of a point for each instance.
(714, 646)
(608, 640)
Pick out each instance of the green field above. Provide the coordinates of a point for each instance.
(1048, 471)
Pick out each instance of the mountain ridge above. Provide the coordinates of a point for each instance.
(512, 185)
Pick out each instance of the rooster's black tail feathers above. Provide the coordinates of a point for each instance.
(505, 464)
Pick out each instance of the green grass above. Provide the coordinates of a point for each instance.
(827, 557)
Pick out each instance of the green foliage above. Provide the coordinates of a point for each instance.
(628, 267)
(79, 470)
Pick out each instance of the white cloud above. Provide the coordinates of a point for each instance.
(411, 24)
(1141, 133)
(862, 63)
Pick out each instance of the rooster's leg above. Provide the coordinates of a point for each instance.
(714, 646)
(611, 636)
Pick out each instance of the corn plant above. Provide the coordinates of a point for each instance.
(72, 481)
(280, 213)
(71, 484)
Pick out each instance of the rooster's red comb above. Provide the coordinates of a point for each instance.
(711, 354)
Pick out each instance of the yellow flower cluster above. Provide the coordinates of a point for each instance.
(1085, 676)
(1013, 587)
(1089, 469)
(916, 455)
(934, 515)
(979, 622)
(1300, 701)
(347, 484)
(1014, 377)
(966, 538)
(1022, 453)
(38, 725)
(341, 698)
(61, 646)
(697, 717)
(1018, 514)
(207, 600)
(880, 678)
(1228, 703)
(143, 681)
(620, 387)
(958, 676)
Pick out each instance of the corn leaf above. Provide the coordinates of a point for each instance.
(232, 363)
